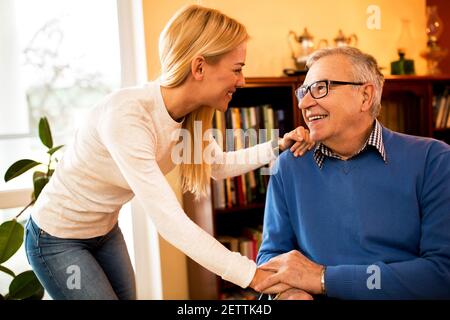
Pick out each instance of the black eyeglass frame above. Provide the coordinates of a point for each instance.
(305, 89)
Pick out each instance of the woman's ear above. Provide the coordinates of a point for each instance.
(367, 95)
(198, 67)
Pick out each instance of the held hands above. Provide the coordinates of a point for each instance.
(294, 294)
(284, 291)
(261, 276)
(297, 140)
(292, 269)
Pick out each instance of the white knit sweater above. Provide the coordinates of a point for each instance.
(122, 150)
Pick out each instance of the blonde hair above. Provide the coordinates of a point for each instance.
(364, 69)
(195, 30)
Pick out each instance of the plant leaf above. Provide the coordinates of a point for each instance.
(38, 295)
(53, 150)
(38, 174)
(6, 270)
(39, 184)
(25, 285)
(44, 133)
(11, 238)
(19, 167)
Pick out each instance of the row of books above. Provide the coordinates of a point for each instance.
(441, 107)
(250, 187)
(247, 244)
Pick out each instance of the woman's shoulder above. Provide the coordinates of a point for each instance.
(129, 100)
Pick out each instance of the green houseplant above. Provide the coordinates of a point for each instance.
(25, 285)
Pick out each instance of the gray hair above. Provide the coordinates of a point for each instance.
(364, 69)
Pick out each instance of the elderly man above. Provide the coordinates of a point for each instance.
(366, 214)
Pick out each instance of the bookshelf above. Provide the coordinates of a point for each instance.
(409, 105)
(232, 220)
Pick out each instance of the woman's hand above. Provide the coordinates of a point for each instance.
(292, 269)
(261, 276)
(297, 140)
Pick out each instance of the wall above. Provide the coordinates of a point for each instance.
(173, 262)
(269, 22)
(444, 41)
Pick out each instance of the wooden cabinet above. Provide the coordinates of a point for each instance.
(410, 105)
(230, 220)
(407, 106)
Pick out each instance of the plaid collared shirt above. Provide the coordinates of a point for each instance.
(375, 140)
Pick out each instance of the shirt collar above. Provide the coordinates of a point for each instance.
(375, 140)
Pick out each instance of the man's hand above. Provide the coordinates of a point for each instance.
(294, 294)
(261, 275)
(292, 269)
(298, 140)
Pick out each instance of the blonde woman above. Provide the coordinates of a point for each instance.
(124, 149)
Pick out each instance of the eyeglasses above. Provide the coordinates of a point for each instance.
(319, 89)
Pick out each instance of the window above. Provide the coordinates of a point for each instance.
(58, 58)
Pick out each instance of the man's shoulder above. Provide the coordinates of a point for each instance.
(414, 144)
(289, 163)
(287, 157)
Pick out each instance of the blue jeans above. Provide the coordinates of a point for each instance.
(96, 268)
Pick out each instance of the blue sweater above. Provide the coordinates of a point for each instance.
(382, 229)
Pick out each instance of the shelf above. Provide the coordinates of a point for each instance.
(442, 130)
(249, 207)
(409, 78)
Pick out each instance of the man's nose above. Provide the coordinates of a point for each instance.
(307, 101)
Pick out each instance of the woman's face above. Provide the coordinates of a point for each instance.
(222, 78)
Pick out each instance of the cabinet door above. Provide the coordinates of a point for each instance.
(406, 107)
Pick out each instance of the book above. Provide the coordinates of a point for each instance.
(442, 101)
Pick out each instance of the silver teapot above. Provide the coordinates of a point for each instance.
(302, 46)
(341, 40)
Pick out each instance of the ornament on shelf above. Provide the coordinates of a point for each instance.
(403, 65)
(434, 53)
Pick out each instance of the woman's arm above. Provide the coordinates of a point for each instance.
(235, 163)
(132, 144)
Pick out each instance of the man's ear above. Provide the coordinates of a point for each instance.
(198, 67)
(367, 96)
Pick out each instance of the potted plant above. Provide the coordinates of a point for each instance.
(26, 285)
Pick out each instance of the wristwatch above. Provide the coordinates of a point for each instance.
(322, 280)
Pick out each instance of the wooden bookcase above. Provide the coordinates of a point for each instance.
(407, 107)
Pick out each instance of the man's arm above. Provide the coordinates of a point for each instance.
(278, 235)
(425, 277)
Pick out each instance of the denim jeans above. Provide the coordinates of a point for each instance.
(97, 268)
